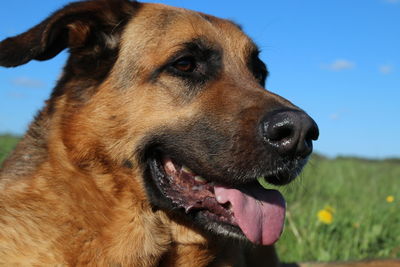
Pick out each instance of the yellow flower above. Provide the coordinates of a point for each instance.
(330, 209)
(389, 199)
(325, 216)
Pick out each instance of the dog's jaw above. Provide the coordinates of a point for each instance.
(248, 212)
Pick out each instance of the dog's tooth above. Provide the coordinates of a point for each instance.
(188, 208)
(187, 170)
(197, 188)
(200, 179)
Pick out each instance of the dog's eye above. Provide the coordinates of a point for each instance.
(185, 64)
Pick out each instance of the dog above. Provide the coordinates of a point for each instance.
(150, 149)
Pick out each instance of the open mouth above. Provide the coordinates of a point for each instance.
(248, 210)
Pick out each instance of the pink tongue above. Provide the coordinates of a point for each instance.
(260, 215)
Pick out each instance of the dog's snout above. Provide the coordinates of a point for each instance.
(290, 132)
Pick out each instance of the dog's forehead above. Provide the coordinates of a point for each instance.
(163, 28)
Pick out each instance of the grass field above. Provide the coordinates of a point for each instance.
(358, 202)
(7, 143)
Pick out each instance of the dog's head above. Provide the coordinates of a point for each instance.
(176, 98)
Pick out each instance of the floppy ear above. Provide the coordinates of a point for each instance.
(74, 26)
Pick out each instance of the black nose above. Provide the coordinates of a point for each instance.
(290, 132)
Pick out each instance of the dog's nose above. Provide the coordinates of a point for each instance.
(290, 132)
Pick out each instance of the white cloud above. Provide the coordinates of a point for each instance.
(27, 82)
(338, 115)
(334, 116)
(339, 65)
(386, 69)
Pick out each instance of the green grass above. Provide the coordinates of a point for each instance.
(7, 143)
(364, 226)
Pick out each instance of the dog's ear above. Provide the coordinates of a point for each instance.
(73, 26)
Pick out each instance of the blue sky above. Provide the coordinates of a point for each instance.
(337, 59)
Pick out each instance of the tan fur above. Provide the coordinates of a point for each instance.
(65, 197)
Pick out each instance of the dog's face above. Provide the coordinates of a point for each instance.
(182, 106)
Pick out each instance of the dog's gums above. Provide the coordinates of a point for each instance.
(222, 204)
(187, 191)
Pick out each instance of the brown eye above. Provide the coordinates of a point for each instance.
(185, 64)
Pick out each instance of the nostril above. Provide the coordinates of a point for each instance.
(290, 132)
(313, 132)
(310, 132)
(280, 132)
(304, 148)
